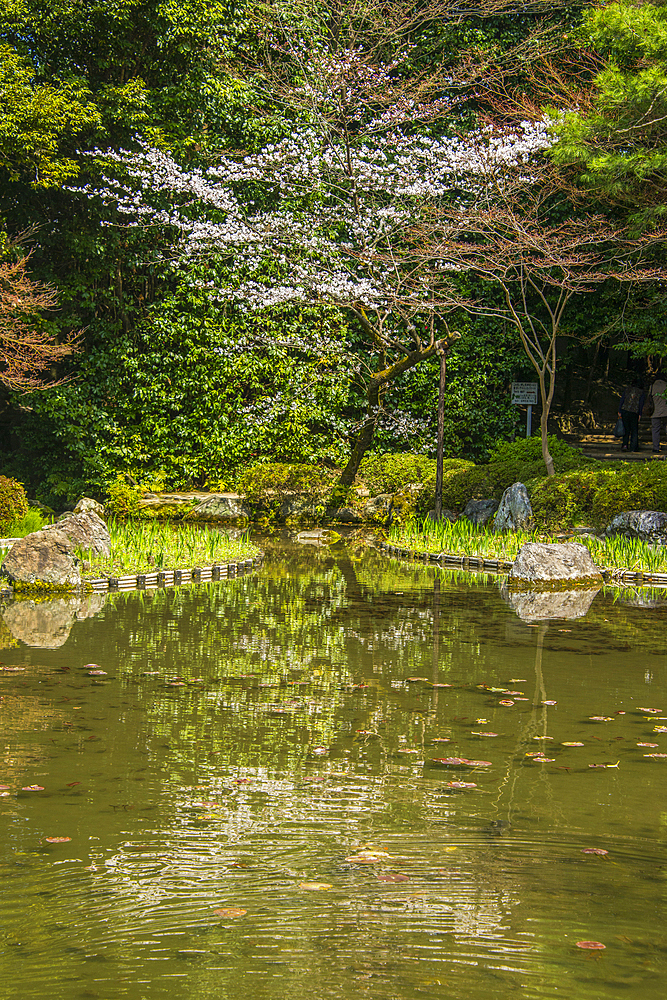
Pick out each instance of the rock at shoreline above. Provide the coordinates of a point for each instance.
(47, 624)
(346, 516)
(86, 530)
(539, 561)
(480, 511)
(43, 558)
(541, 605)
(221, 508)
(514, 512)
(646, 525)
(379, 509)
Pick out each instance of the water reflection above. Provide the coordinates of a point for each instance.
(325, 721)
(47, 622)
(540, 605)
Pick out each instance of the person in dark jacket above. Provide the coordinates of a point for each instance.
(630, 411)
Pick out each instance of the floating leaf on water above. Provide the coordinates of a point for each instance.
(97, 673)
(484, 734)
(3, 788)
(660, 729)
(231, 911)
(460, 784)
(517, 680)
(573, 744)
(521, 699)
(651, 711)
(71, 784)
(564, 629)
(600, 718)
(410, 751)
(440, 685)
(544, 760)
(591, 945)
(12, 670)
(315, 886)
(506, 701)
(414, 680)
(32, 788)
(647, 744)
(392, 877)
(320, 750)
(512, 694)
(655, 754)
(367, 732)
(57, 840)
(549, 703)
(542, 737)
(594, 850)
(482, 722)
(441, 739)
(367, 857)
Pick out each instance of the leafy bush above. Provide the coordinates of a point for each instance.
(563, 501)
(121, 498)
(272, 480)
(13, 502)
(33, 520)
(527, 451)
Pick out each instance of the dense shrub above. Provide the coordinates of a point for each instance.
(566, 500)
(121, 498)
(528, 451)
(275, 479)
(13, 502)
(392, 472)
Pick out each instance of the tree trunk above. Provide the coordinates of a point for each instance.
(441, 435)
(365, 436)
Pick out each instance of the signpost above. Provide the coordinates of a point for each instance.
(525, 394)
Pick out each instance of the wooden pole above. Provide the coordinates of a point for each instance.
(441, 434)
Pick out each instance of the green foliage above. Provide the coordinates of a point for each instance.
(122, 498)
(275, 480)
(13, 502)
(565, 500)
(33, 520)
(529, 450)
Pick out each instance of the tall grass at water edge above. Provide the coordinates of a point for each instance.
(463, 538)
(145, 546)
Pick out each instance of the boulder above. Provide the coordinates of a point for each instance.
(85, 531)
(85, 505)
(47, 624)
(297, 507)
(44, 557)
(220, 507)
(647, 525)
(346, 516)
(541, 605)
(320, 537)
(541, 561)
(480, 511)
(445, 515)
(514, 511)
(379, 508)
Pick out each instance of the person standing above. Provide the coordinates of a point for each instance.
(659, 409)
(630, 411)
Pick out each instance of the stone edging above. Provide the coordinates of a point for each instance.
(501, 566)
(164, 578)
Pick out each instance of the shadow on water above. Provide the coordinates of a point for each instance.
(339, 775)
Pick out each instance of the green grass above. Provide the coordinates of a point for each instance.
(147, 546)
(465, 539)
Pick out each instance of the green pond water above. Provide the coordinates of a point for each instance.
(261, 747)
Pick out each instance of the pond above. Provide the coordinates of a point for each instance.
(255, 794)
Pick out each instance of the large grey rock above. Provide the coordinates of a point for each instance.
(379, 508)
(541, 605)
(85, 505)
(647, 525)
(43, 558)
(85, 531)
(220, 507)
(480, 511)
(514, 512)
(539, 561)
(47, 624)
(346, 516)
(296, 507)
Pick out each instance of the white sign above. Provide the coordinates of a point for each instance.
(524, 393)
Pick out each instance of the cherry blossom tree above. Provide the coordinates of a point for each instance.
(327, 213)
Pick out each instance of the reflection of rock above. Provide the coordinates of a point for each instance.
(43, 557)
(480, 511)
(647, 525)
(85, 530)
(542, 561)
(47, 624)
(318, 536)
(346, 516)
(538, 605)
(514, 512)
